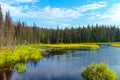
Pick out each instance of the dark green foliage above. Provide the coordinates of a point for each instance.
(19, 33)
(1, 28)
(97, 33)
(98, 72)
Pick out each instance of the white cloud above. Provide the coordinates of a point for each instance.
(93, 6)
(6, 7)
(113, 13)
(54, 13)
(49, 12)
(111, 16)
(19, 1)
(14, 11)
(25, 1)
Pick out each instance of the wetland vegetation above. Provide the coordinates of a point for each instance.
(22, 53)
(73, 46)
(99, 72)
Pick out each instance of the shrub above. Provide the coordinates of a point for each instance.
(20, 67)
(98, 72)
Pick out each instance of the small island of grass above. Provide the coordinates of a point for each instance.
(20, 67)
(99, 72)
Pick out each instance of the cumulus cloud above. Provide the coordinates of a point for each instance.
(15, 11)
(93, 6)
(113, 13)
(110, 16)
(49, 12)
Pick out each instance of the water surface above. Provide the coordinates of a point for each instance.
(67, 66)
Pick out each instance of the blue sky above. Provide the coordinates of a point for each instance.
(65, 13)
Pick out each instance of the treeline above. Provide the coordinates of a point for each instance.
(19, 33)
(97, 33)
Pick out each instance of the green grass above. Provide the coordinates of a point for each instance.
(20, 67)
(98, 72)
(22, 53)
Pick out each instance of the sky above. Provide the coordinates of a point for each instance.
(64, 13)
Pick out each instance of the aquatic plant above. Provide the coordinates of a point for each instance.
(20, 67)
(99, 72)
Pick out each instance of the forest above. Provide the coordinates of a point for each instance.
(19, 33)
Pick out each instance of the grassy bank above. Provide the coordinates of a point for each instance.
(115, 44)
(22, 53)
(33, 51)
(72, 46)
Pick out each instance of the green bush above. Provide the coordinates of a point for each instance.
(99, 72)
(20, 67)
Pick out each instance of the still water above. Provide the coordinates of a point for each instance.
(67, 66)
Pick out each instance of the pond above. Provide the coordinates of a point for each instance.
(66, 66)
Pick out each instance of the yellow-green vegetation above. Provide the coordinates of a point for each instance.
(20, 67)
(116, 44)
(73, 46)
(22, 53)
(99, 72)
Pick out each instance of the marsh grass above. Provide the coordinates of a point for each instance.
(115, 44)
(98, 72)
(73, 46)
(20, 67)
(22, 53)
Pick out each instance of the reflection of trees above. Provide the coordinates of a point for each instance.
(1, 75)
(8, 74)
(5, 74)
(35, 63)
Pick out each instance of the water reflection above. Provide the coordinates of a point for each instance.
(5, 74)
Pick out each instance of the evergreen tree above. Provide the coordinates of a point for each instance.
(1, 29)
